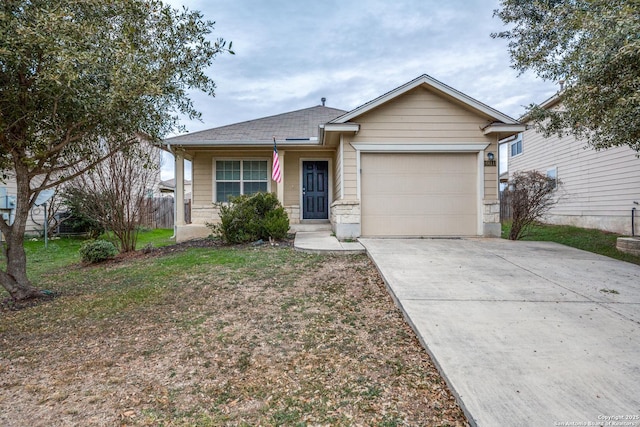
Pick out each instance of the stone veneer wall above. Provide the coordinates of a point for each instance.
(345, 219)
(203, 214)
(293, 212)
(491, 218)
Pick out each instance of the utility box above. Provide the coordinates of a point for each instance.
(7, 202)
(7, 205)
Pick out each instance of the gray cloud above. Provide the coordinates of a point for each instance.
(290, 53)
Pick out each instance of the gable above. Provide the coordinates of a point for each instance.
(423, 115)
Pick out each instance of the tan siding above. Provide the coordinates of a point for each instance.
(202, 178)
(292, 179)
(420, 116)
(350, 173)
(491, 174)
(337, 181)
(202, 170)
(599, 186)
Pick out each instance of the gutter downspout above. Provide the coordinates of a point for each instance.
(633, 225)
(175, 203)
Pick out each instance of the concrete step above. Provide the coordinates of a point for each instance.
(310, 226)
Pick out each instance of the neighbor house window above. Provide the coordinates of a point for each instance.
(236, 177)
(516, 146)
(552, 174)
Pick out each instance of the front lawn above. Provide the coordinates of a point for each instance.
(212, 336)
(596, 241)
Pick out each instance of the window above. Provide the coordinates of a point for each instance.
(515, 147)
(236, 177)
(552, 174)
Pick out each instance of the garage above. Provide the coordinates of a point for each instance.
(419, 194)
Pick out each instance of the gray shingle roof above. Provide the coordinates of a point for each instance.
(300, 124)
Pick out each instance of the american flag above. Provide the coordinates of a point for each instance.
(276, 174)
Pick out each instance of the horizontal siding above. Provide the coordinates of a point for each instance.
(35, 221)
(337, 181)
(292, 179)
(350, 172)
(202, 171)
(593, 184)
(420, 116)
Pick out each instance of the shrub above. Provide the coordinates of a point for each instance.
(93, 251)
(248, 218)
(530, 195)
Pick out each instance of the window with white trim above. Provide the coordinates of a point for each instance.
(515, 147)
(236, 177)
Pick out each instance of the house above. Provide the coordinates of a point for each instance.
(596, 189)
(416, 161)
(167, 188)
(56, 209)
(35, 220)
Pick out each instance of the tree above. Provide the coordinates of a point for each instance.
(74, 73)
(530, 196)
(593, 48)
(112, 193)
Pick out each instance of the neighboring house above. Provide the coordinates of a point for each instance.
(596, 189)
(168, 188)
(35, 222)
(416, 161)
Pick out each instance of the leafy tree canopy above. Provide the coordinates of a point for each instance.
(79, 70)
(82, 79)
(593, 46)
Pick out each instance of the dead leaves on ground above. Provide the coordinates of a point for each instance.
(292, 340)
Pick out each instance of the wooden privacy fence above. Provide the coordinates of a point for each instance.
(158, 212)
(505, 207)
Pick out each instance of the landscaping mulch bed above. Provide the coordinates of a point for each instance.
(256, 335)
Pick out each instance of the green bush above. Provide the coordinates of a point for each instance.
(93, 251)
(248, 218)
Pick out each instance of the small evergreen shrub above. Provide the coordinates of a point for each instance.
(93, 251)
(249, 218)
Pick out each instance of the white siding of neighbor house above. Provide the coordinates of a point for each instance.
(597, 188)
(35, 221)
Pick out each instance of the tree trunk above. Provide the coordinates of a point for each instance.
(14, 279)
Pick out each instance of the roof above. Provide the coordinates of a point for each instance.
(171, 183)
(296, 127)
(438, 87)
(548, 103)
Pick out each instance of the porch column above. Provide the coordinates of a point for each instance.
(280, 185)
(179, 191)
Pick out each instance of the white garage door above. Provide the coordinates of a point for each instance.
(419, 194)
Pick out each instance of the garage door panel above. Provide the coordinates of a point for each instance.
(419, 194)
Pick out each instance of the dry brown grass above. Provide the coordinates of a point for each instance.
(210, 337)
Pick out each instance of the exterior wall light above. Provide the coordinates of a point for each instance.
(490, 160)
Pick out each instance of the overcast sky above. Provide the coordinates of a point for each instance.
(291, 53)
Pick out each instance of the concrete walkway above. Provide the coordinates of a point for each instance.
(325, 242)
(525, 333)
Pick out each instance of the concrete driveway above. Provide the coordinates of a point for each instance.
(525, 333)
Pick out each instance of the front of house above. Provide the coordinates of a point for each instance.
(419, 161)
